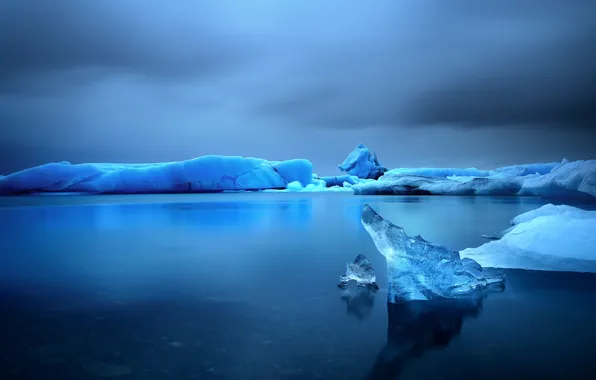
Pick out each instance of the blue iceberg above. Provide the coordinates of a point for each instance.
(419, 270)
(506, 171)
(577, 178)
(362, 163)
(564, 179)
(201, 174)
(420, 185)
(317, 186)
(553, 238)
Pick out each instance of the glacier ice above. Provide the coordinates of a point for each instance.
(339, 180)
(317, 185)
(361, 271)
(419, 270)
(556, 238)
(526, 169)
(362, 163)
(420, 185)
(513, 171)
(438, 172)
(364, 176)
(564, 179)
(201, 174)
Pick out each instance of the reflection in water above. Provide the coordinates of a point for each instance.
(412, 199)
(359, 300)
(416, 326)
(216, 215)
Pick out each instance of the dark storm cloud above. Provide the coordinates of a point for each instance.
(146, 81)
(73, 41)
(464, 63)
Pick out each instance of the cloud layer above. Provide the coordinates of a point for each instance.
(243, 76)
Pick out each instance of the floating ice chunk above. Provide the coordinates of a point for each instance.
(361, 271)
(202, 174)
(438, 172)
(557, 238)
(419, 270)
(563, 179)
(553, 210)
(363, 163)
(526, 169)
(317, 185)
(506, 171)
(568, 178)
(294, 186)
(419, 185)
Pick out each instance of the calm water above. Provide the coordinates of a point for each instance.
(243, 286)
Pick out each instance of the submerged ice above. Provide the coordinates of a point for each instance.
(419, 270)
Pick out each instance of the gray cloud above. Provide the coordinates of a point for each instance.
(464, 64)
(130, 81)
(79, 41)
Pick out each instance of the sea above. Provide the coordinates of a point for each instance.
(244, 286)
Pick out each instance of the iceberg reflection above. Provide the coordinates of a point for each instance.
(417, 326)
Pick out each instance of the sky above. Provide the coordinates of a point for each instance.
(440, 83)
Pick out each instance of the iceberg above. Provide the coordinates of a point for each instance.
(564, 179)
(419, 270)
(526, 169)
(361, 271)
(317, 185)
(438, 172)
(362, 163)
(554, 238)
(512, 171)
(420, 185)
(201, 174)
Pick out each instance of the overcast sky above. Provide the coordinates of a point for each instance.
(423, 83)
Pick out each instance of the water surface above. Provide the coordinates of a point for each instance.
(243, 286)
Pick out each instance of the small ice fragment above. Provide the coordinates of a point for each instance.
(360, 271)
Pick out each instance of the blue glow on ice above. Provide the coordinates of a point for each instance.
(201, 174)
(340, 180)
(419, 270)
(363, 163)
(564, 179)
(555, 238)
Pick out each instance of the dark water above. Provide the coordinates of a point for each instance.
(243, 286)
